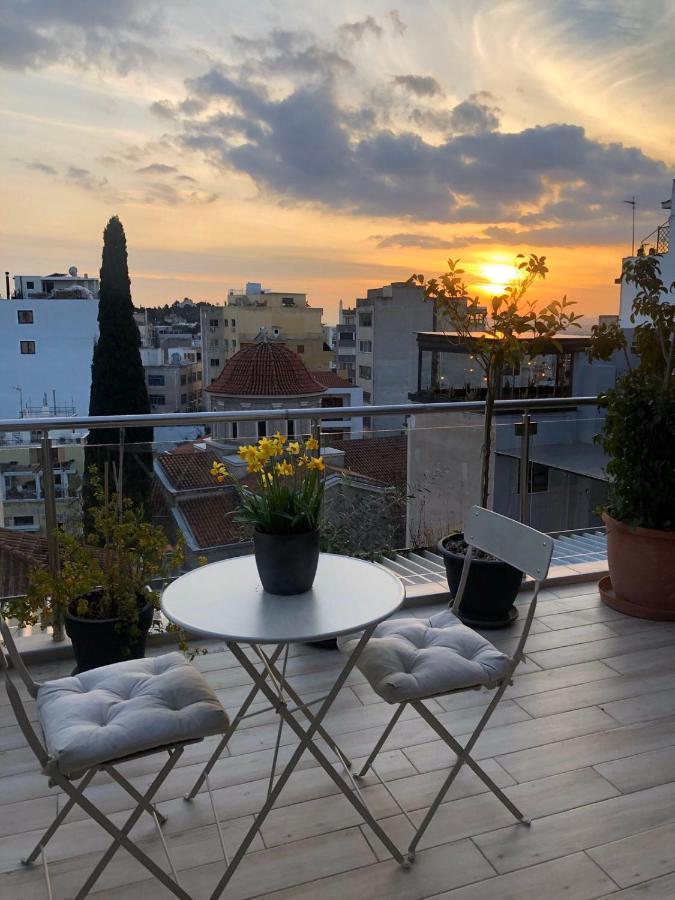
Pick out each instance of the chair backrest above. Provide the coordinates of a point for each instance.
(523, 547)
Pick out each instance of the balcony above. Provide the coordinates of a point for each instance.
(584, 737)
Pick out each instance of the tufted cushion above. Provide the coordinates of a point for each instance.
(119, 710)
(408, 659)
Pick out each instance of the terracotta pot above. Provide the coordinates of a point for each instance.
(642, 571)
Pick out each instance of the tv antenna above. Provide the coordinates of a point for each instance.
(632, 203)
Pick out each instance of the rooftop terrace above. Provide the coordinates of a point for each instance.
(584, 740)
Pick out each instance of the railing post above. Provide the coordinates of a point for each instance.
(316, 433)
(525, 429)
(49, 491)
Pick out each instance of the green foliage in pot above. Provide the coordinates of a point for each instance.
(108, 577)
(639, 429)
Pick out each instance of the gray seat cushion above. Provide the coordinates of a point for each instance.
(410, 658)
(124, 709)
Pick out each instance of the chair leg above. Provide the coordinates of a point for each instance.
(49, 833)
(463, 756)
(120, 836)
(383, 737)
(150, 808)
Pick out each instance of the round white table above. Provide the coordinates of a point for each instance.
(226, 600)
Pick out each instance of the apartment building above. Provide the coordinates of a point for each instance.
(387, 322)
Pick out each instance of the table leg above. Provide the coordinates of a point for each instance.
(234, 724)
(305, 743)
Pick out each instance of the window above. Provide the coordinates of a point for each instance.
(183, 398)
(331, 401)
(367, 396)
(538, 479)
(27, 347)
(234, 344)
(213, 323)
(25, 316)
(366, 372)
(214, 362)
(365, 346)
(366, 320)
(290, 427)
(157, 400)
(288, 301)
(23, 520)
(155, 381)
(183, 380)
(301, 348)
(234, 324)
(30, 285)
(235, 431)
(262, 429)
(367, 422)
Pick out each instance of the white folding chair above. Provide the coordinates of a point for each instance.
(95, 721)
(410, 660)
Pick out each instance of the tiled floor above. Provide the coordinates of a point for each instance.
(584, 741)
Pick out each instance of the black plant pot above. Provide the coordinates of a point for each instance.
(286, 562)
(491, 587)
(98, 642)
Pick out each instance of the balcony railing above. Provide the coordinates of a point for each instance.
(399, 488)
(658, 241)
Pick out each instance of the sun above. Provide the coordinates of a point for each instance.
(498, 276)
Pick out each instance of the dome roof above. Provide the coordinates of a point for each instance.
(265, 369)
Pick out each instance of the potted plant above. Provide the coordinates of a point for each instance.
(284, 511)
(511, 330)
(638, 436)
(102, 588)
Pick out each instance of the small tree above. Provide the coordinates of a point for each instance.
(515, 329)
(117, 375)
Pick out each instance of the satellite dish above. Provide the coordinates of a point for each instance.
(72, 271)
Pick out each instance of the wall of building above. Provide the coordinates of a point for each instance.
(63, 333)
(243, 432)
(388, 371)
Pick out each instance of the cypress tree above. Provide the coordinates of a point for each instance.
(117, 377)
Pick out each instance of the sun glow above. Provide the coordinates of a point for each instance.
(498, 276)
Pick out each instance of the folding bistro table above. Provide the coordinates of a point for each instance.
(226, 600)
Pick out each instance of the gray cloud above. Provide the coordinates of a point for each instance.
(108, 35)
(397, 22)
(84, 178)
(157, 169)
(292, 53)
(187, 178)
(419, 85)
(163, 109)
(476, 114)
(408, 239)
(45, 168)
(355, 31)
(303, 148)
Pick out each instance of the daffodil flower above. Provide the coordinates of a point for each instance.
(293, 448)
(284, 468)
(316, 463)
(311, 444)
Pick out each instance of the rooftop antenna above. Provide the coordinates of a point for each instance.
(633, 203)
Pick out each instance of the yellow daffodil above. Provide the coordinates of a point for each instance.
(316, 462)
(303, 461)
(293, 448)
(281, 438)
(284, 468)
(266, 448)
(311, 444)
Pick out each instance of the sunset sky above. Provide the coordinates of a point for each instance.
(332, 147)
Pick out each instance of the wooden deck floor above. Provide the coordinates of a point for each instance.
(584, 741)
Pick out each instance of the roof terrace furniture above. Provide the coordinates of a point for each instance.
(226, 600)
(410, 660)
(94, 721)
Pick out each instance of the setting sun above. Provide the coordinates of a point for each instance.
(498, 276)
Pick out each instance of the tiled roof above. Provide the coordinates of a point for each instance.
(265, 369)
(332, 380)
(20, 552)
(188, 471)
(383, 458)
(211, 519)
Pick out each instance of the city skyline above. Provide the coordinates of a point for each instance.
(255, 142)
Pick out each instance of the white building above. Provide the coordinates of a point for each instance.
(58, 284)
(387, 322)
(660, 242)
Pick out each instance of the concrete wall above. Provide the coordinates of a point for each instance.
(444, 464)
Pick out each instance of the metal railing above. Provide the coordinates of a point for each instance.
(526, 427)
